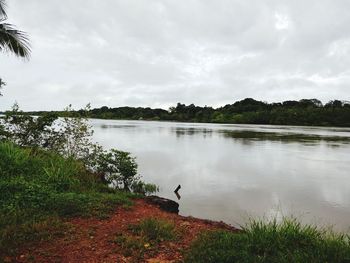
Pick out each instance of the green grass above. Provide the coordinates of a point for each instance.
(271, 242)
(38, 188)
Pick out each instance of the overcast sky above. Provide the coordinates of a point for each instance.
(159, 52)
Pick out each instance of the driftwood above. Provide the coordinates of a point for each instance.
(163, 203)
(177, 189)
(177, 192)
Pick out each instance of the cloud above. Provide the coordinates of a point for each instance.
(159, 52)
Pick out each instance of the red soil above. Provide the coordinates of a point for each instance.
(92, 239)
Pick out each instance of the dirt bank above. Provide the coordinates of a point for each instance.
(91, 240)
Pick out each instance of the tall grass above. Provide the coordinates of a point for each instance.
(271, 242)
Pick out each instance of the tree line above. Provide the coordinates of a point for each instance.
(248, 111)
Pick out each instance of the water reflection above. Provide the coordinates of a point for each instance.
(181, 131)
(286, 137)
(108, 126)
(228, 172)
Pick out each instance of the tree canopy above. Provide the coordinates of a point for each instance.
(248, 111)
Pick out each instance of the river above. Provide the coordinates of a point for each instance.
(234, 172)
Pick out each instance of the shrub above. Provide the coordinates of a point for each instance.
(119, 169)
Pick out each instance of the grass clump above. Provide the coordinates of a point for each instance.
(145, 237)
(155, 230)
(271, 242)
(131, 245)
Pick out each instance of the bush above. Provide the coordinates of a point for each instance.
(119, 169)
(271, 242)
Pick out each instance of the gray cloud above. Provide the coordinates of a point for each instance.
(158, 52)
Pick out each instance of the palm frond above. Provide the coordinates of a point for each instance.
(14, 41)
(3, 14)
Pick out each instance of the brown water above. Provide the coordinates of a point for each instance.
(233, 172)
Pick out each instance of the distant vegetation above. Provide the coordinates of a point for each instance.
(248, 111)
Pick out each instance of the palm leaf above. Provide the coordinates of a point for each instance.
(3, 14)
(14, 40)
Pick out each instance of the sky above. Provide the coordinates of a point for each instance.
(156, 53)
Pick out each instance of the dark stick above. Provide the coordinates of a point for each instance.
(177, 189)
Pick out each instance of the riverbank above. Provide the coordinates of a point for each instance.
(96, 240)
(53, 209)
(143, 232)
